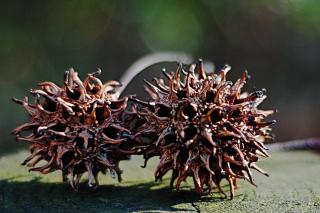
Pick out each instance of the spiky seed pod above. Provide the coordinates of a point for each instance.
(203, 126)
(76, 128)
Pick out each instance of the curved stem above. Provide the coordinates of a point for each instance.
(149, 60)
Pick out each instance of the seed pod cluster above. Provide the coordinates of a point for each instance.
(202, 126)
(76, 128)
(199, 124)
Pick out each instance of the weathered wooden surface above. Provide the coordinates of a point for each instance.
(293, 186)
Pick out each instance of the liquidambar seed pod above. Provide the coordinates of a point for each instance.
(76, 128)
(203, 126)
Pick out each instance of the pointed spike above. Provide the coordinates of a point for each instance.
(187, 87)
(224, 72)
(184, 72)
(167, 75)
(244, 76)
(172, 90)
(151, 86)
(173, 178)
(192, 68)
(201, 71)
(181, 177)
(231, 185)
(257, 168)
(197, 179)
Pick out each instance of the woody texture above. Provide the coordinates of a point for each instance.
(75, 128)
(202, 126)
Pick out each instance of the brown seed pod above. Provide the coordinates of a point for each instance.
(203, 126)
(76, 128)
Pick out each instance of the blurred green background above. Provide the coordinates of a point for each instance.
(277, 41)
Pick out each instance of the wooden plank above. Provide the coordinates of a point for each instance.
(293, 186)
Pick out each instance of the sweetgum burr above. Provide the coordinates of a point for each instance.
(75, 128)
(203, 126)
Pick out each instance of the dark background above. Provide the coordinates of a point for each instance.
(277, 41)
